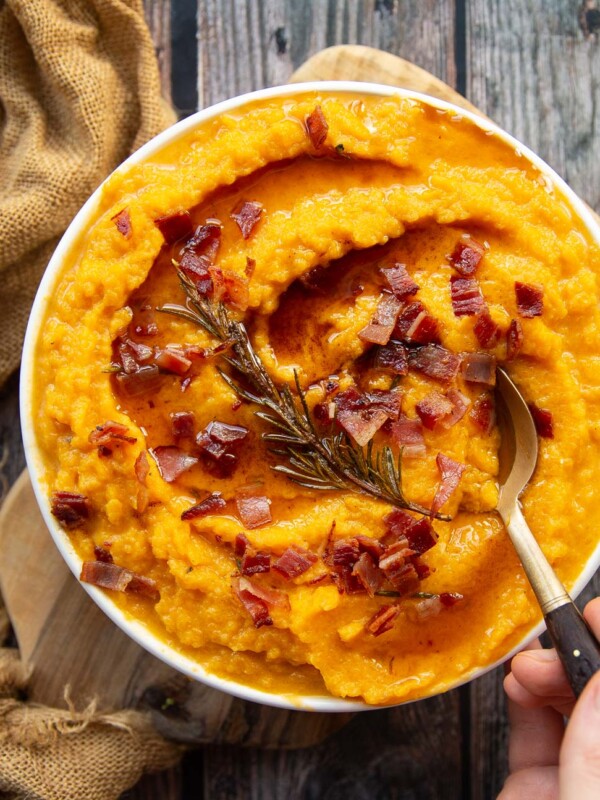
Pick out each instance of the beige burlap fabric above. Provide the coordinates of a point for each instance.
(79, 91)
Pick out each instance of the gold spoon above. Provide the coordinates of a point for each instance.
(575, 643)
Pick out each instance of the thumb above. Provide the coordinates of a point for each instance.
(579, 773)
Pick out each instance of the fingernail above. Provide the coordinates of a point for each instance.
(541, 656)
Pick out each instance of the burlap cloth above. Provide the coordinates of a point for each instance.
(79, 91)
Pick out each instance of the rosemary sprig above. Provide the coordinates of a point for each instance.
(313, 461)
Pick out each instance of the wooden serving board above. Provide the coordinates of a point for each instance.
(67, 640)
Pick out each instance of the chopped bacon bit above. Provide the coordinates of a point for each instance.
(435, 361)
(466, 256)
(141, 467)
(172, 360)
(484, 413)
(205, 241)
(416, 325)
(123, 223)
(345, 553)
(451, 472)
(399, 281)
(235, 291)
(257, 599)
(450, 599)
(110, 433)
(132, 354)
(196, 268)
(254, 510)
(383, 620)
(399, 522)
(392, 357)
(241, 544)
(408, 434)
(361, 415)
(421, 536)
(433, 408)
(479, 368)
(294, 562)
(171, 461)
(368, 573)
(371, 546)
(214, 502)
(70, 509)
(466, 296)
(102, 554)
(542, 418)
(488, 332)
(247, 215)
(395, 561)
(514, 339)
(530, 299)
(317, 127)
(219, 442)
(255, 562)
(110, 576)
(460, 405)
(175, 226)
(379, 330)
(145, 379)
(182, 424)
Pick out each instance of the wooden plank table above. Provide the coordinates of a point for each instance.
(534, 67)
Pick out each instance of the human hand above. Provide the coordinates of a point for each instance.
(547, 761)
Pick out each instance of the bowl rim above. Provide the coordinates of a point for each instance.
(133, 628)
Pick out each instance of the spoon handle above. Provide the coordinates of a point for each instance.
(576, 645)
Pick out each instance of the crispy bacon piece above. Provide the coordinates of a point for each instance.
(205, 241)
(175, 226)
(182, 424)
(103, 554)
(398, 523)
(123, 223)
(196, 268)
(460, 404)
(483, 413)
(383, 620)
(421, 536)
(433, 408)
(392, 357)
(143, 321)
(110, 433)
(542, 418)
(144, 380)
(220, 442)
(466, 256)
(368, 573)
(399, 281)
(257, 599)
(408, 434)
(141, 467)
(214, 502)
(198, 257)
(110, 576)
(255, 562)
(132, 355)
(345, 553)
(230, 288)
(172, 359)
(479, 368)
(514, 339)
(530, 299)
(450, 599)
(488, 333)
(416, 325)
(371, 546)
(466, 296)
(254, 510)
(294, 562)
(451, 472)
(435, 361)
(171, 461)
(317, 127)
(72, 510)
(247, 215)
(361, 415)
(379, 330)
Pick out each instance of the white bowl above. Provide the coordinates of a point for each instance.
(136, 630)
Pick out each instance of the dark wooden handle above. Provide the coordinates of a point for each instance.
(575, 644)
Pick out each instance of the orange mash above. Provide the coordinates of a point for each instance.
(388, 254)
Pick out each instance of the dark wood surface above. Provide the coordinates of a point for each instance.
(534, 67)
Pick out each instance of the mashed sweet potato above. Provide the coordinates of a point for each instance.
(298, 209)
